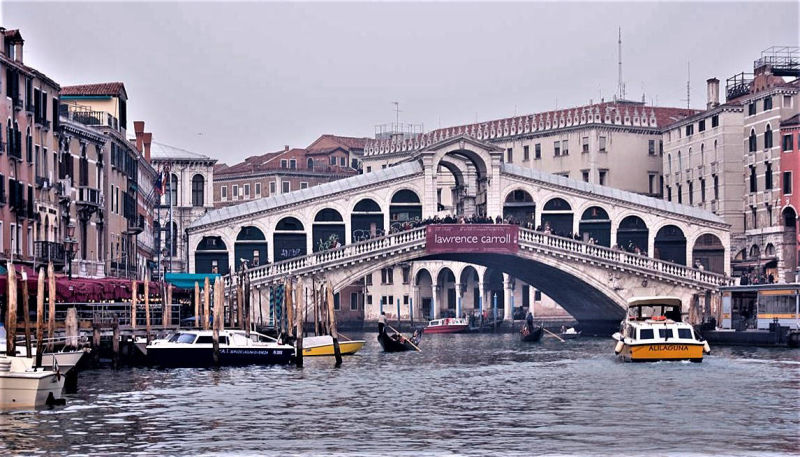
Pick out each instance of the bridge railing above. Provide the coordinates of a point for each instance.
(623, 257)
(332, 256)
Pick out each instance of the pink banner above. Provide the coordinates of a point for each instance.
(471, 238)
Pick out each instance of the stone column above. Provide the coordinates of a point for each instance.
(459, 296)
(508, 297)
(481, 296)
(613, 240)
(651, 244)
(435, 300)
(531, 299)
(415, 303)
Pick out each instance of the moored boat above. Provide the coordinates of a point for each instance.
(195, 348)
(21, 386)
(323, 346)
(447, 325)
(653, 330)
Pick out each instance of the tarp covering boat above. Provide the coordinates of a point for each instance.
(187, 280)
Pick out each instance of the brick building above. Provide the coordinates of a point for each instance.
(790, 183)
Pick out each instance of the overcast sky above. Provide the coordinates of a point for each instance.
(233, 80)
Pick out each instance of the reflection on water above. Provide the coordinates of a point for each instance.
(464, 394)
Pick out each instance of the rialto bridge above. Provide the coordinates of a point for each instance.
(588, 247)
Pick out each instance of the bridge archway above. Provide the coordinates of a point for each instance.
(366, 220)
(446, 293)
(557, 214)
(632, 234)
(251, 245)
(424, 282)
(519, 205)
(289, 239)
(493, 282)
(469, 281)
(211, 256)
(595, 224)
(328, 228)
(470, 152)
(709, 252)
(405, 206)
(670, 245)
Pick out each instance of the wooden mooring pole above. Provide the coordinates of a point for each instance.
(337, 353)
(27, 317)
(147, 307)
(166, 311)
(301, 303)
(134, 299)
(71, 328)
(196, 304)
(40, 318)
(96, 343)
(51, 305)
(115, 344)
(11, 312)
(247, 307)
(289, 299)
(219, 296)
(239, 305)
(206, 304)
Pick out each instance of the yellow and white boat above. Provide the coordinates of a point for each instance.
(323, 346)
(653, 330)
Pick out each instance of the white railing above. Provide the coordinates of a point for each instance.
(415, 239)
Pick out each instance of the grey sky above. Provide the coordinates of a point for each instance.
(233, 80)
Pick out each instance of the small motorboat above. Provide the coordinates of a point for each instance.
(531, 333)
(397, 342)
(195, 348)
(447, 325)
(323, 346)
(569, 334)
(22, 386)
(64, 359)
(653, 330)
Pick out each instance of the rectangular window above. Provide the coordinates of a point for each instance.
(353, 301)
(702, 190)
(689, 129)
(701, 126)
(537, 152)
(247, 191)
(787, 182)
(565, 148)
(602, 144)
(292, 164)
(387, 276)
(286, 187)
(342, 161)
(272, 187)
(585, 145)
(753, 179)
(333, 160)
(337, 305)
(406, 274)
(685, 333)
(645, 334)
(678, 190)
(526, 153)
(258, 189)
(510, 155)
(585, 175)
(602, 177)
(715, 121)
(716, 187)
(223, 192)
(768, 176)
(368, 279)
(537, 295)
(691, 193)
(304, 185)
(787, 101)
(651, 183)
(234, 192)
(665, 333)
(751, 109)
(369, 169)
(369, 299)
(755, 216)
(405, 299)
(651, 147)
(284, 163)
(787, 143)
(767, 103)
(557, 148)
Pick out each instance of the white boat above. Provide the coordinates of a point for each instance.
(23, 387)
(194, 348)
(65, 360)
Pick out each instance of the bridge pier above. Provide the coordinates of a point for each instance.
(508, 297)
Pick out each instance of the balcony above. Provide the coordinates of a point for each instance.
(18, 103)
(42, 182)
(45, 124)
(135, 225)
(30, 108)
(714, 206)
(689, 174)
(46, 251)
(714, 168)
(89, 196)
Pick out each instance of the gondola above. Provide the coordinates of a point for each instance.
(395, 342)
(531, 334)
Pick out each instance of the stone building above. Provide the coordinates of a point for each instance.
(790, 186)
(188, 180)
(30, 117)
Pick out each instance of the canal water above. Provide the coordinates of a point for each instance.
(463, 395)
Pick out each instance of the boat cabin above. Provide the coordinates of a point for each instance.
(655, 308)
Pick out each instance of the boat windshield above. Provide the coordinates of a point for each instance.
(185, 338)
(649, 311)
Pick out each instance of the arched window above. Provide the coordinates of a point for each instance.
(310, 163)
(669, 162)
(198, 184)
(172, 192)
(702, 154)
(680, 161)
(768, 137)
(752, 141)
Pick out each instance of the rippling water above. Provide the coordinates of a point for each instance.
(465, 394)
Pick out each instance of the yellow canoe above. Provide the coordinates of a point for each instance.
(323, 346)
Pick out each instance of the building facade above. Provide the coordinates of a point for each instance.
(790, 180)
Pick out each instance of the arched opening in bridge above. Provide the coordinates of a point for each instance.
(446, 293)
(328, 230)
(366, 220)
(211, 256)
(405, 207)
(251, 246)
(557, 216)
(451, 188)
(595, 225)
(670, 245)
(632, 235)
(470, 173)
(709, 252)
(470, 290)
(289, 239)
(424, 282)
(493, 283)
(519, 205)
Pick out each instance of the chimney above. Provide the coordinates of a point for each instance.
(713, 93)
(18, 51)
(147, 139)
(286, 148)
(138, 128)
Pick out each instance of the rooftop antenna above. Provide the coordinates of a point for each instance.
(620, 84)
(688, 84)
(396, 112)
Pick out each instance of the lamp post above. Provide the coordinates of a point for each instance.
(70, 244)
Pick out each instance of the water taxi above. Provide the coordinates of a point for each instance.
(323, 346)
(194, 348)
(653, 330)
(447, 325)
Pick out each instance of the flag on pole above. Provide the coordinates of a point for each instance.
(158, 185)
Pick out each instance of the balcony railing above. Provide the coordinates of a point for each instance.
(89, 196)
(136, 225)
(46, 251)
(18, 103)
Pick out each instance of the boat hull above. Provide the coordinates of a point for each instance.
(389, 344)
(447, 329)
(662, 351)
(345, 348)
(21, 387)
(193, 357)
(531, 335)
